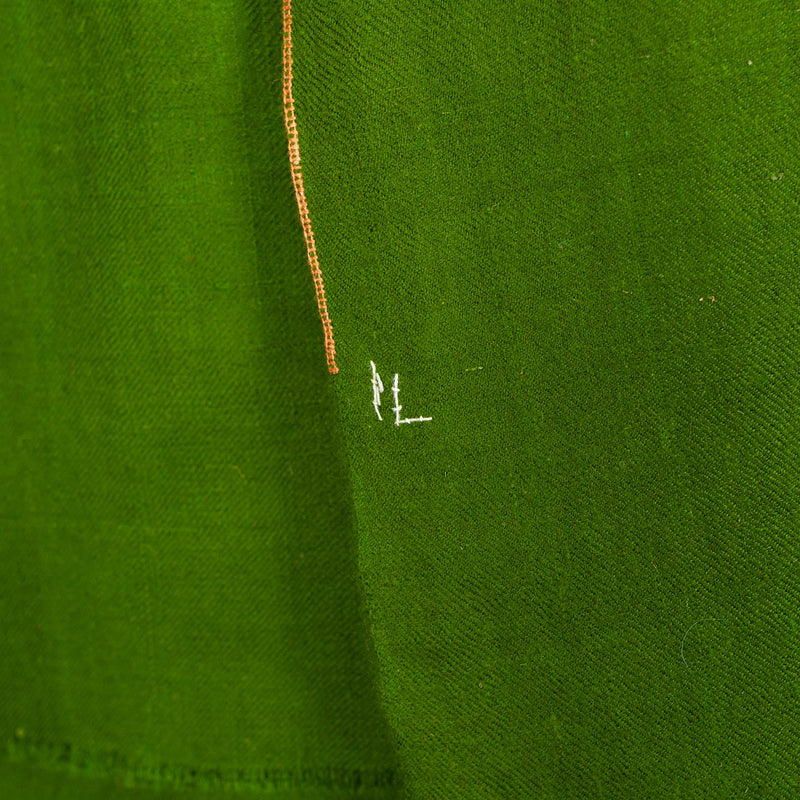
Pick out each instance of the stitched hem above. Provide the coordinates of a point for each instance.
(126, 771)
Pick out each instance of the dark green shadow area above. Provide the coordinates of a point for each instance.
(179, 598)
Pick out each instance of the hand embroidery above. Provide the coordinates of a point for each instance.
(377, 391)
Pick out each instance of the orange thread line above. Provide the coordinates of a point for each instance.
(300, 194)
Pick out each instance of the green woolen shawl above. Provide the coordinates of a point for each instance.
(449, 452)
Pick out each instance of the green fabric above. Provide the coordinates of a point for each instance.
(570, 230)
(179, 603)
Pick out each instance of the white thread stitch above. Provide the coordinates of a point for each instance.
(377, 390)
(398, 408)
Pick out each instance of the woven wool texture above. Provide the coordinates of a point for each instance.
(560, 240)
(180, 606)
(571, 229)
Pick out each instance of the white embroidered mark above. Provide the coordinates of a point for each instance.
(398, 408)
(377, 390)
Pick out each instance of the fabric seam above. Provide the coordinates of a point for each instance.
(117, 767)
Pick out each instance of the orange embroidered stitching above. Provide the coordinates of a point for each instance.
(297, 179)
